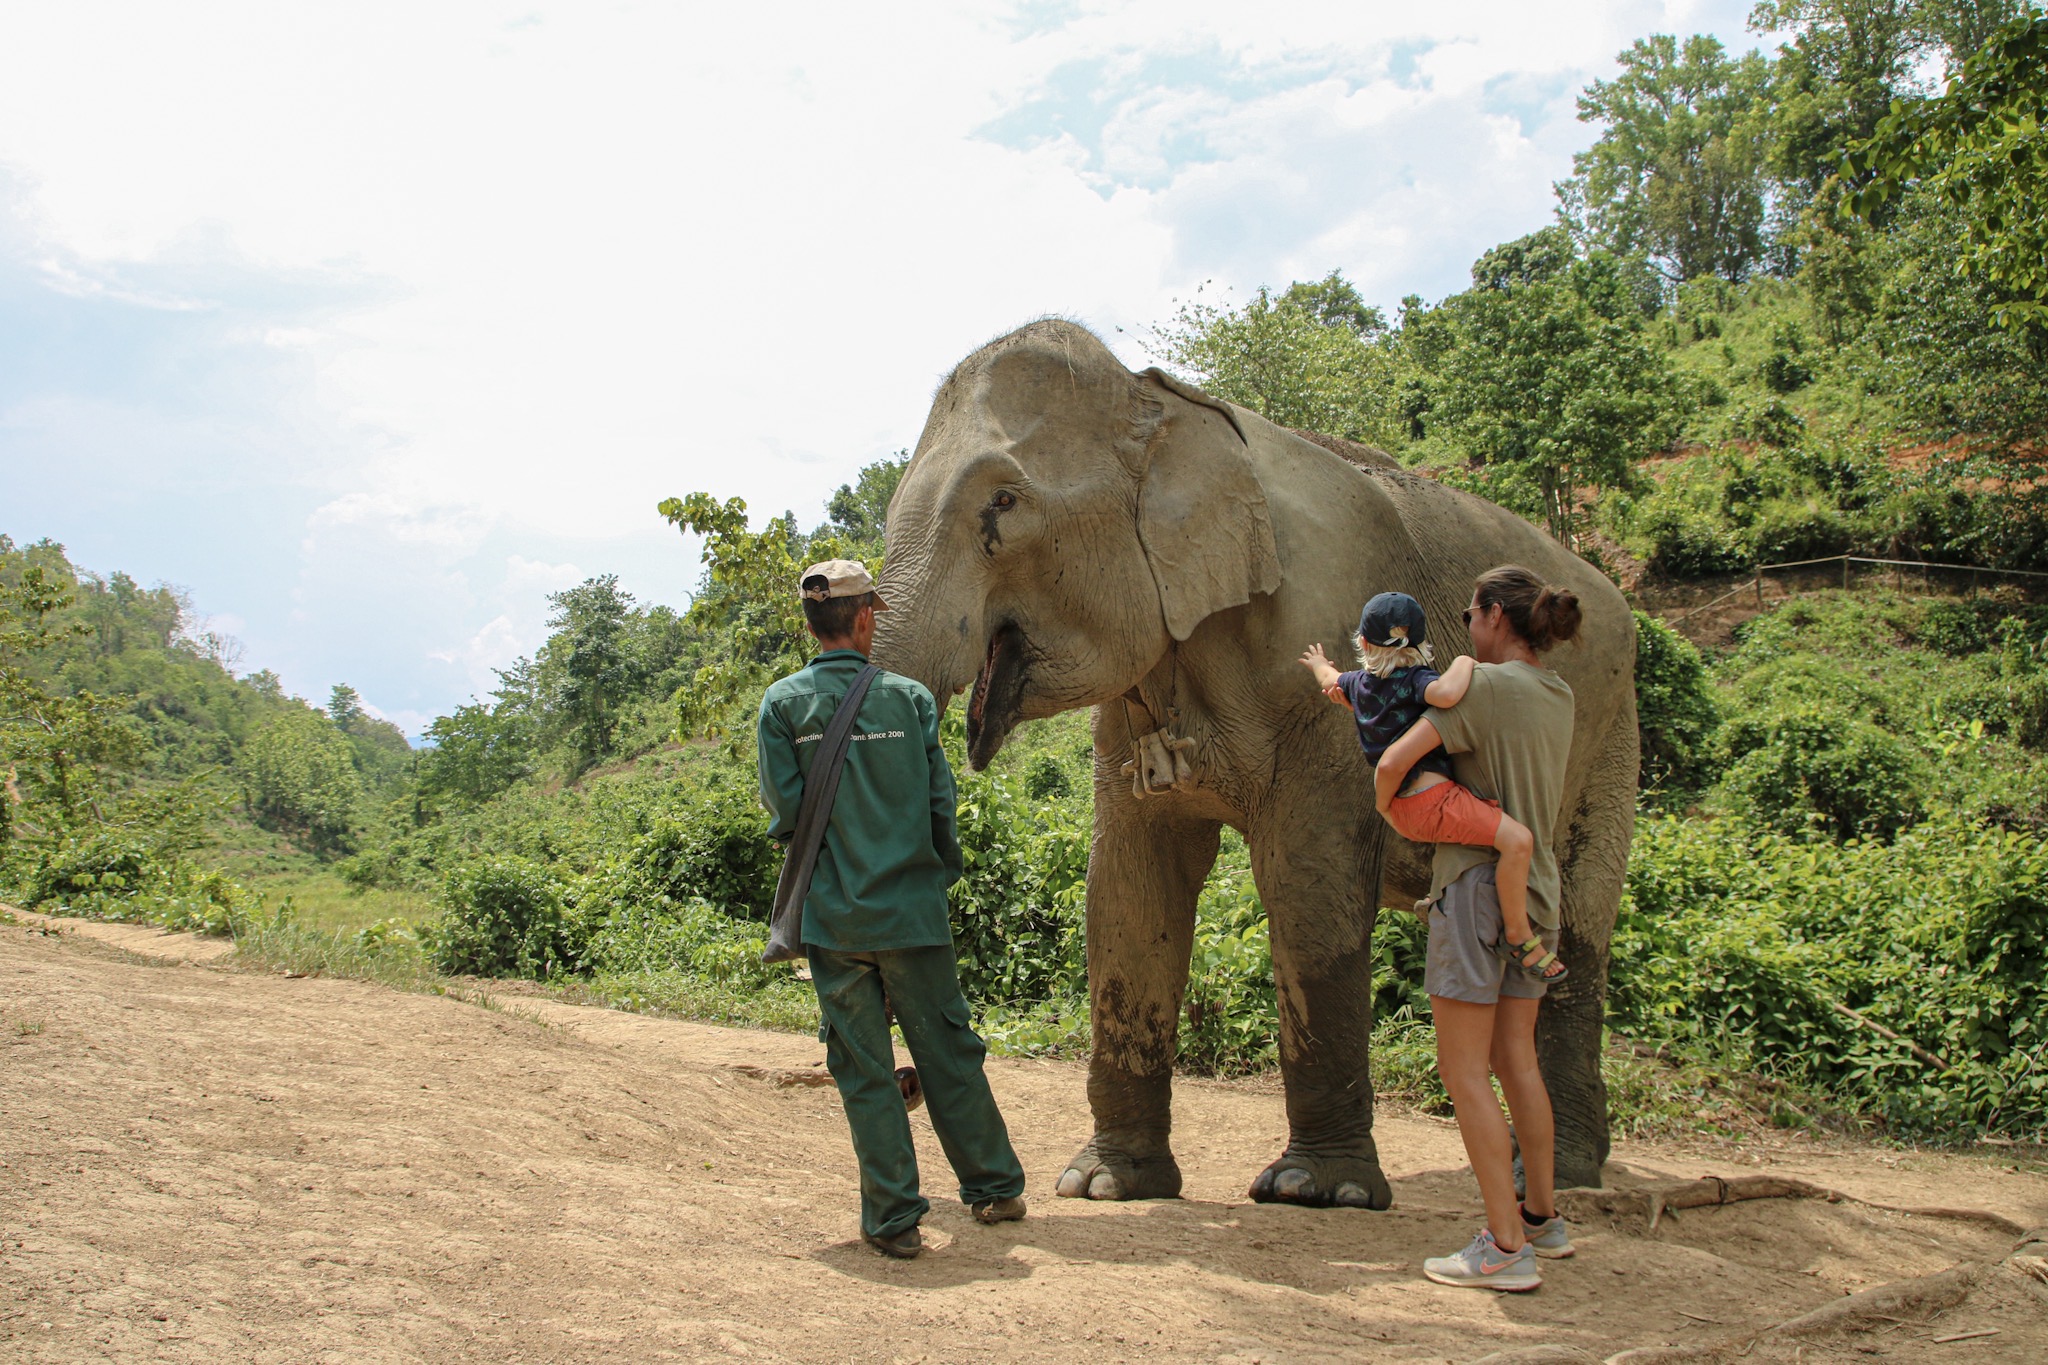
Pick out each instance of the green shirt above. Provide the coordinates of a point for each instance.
(890, 850)
(1509, 740)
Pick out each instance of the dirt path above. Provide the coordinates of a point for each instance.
(200, 1164)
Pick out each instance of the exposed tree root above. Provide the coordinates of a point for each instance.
(1915, 1300)
(1649, 1203)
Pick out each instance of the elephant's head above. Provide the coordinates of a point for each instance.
(1061, 520)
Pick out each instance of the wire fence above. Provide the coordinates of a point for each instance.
(1957, 577)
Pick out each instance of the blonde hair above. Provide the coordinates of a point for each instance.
(1383, 661)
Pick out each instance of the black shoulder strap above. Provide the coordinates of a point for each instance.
(821, 784)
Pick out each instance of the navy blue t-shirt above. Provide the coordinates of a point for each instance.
(1385, 707)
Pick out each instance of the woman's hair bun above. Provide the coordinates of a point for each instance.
(1553, 617)
(1542, 615)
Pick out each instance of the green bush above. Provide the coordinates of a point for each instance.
(1787, 529)
(298, 774)
(714, 847)
(1676, 713)
(1769, 423)
(1230, 1015)
(1799, 770)
(1684, 543)
(627, 935)
(129, 877)
(1754, 943)
(1017, 912)
(503, 917)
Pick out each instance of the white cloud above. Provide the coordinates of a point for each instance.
(513, 274)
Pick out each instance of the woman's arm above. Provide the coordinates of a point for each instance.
(1402, 755)
(1450, 688)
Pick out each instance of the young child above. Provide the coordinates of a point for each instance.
(1386, 697)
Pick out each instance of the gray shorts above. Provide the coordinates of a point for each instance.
(1464, 924)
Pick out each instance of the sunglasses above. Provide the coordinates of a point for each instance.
(1467, 615)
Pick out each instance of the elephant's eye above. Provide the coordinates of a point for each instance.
(1004, 500)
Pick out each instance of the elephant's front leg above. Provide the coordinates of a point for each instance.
(1144, 876)
(1319, 878)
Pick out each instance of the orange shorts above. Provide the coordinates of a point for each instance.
(1445, 814)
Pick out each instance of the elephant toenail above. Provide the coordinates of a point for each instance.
(1352, 1195)
(1073, 1183)
(1104, 1186)
(1293, 1184)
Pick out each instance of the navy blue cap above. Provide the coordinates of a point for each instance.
(1391, 620)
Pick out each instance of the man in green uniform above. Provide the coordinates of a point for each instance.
(874, 923)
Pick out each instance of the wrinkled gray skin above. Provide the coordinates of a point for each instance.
(1072, 534)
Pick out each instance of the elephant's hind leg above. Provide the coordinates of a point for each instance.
(1570, 1024)
(1144, 876)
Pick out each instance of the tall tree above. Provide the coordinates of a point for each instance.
(1847, 61)
(1982, 148)
(1544, 380)
(59, 754)
(592, 666)
(345, 708)
(1336, 302)
(860, 510)
(1311, 358)
(298, 774)
(1677, 175)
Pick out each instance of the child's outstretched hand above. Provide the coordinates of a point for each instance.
(1318, 663)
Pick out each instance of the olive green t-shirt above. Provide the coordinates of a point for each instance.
(891, 849)
(1509, 740)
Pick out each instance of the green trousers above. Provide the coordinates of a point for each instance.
(923, 985)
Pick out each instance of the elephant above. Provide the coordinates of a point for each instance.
(1069, 533)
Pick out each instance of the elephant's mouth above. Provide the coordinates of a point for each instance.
(998, 695)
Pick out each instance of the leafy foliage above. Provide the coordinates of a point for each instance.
(1761, 942)
(1676, 713)
(1545, 380)
(1312, 358)
(749, 603)
(1678, 173)
(299, 774)
(1980, 147)
(504, 917)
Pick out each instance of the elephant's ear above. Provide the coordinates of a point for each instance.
(1202, 515)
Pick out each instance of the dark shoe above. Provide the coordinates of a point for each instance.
(1005, 1210)
(906, 1245)
(912, 1088)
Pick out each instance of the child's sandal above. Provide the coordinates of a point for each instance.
(1514, 954)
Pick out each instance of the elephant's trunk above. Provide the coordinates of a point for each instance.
(920, 636)
(950, 646)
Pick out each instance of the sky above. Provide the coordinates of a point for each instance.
(371, 325)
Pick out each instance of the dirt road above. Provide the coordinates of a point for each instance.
(203, 1164)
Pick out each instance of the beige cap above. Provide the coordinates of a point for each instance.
(843, 578)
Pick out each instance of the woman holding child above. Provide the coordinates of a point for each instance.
(1505, 721)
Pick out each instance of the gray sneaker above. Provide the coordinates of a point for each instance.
(1483, 1265)
(1550, 1238)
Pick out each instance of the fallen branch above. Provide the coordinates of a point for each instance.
(1919, 1299)
(1650, 1202)
(1881, 1031)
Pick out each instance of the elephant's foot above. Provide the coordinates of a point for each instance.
(1574, 1170)
(1347, 1182)
(1102, 1170)
(1581, 1170)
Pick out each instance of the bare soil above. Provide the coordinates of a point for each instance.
(205, 1164)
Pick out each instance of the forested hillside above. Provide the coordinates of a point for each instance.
(1794, 304)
